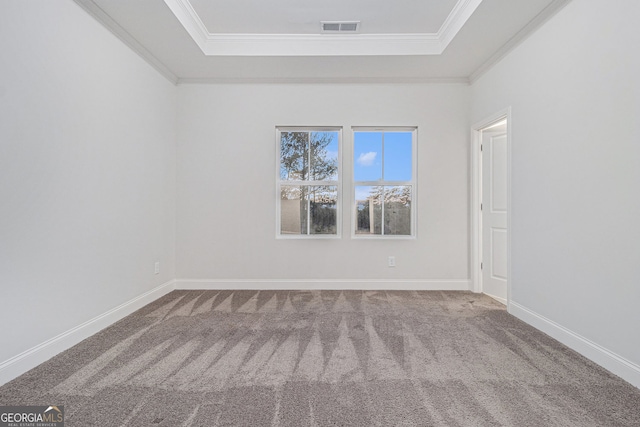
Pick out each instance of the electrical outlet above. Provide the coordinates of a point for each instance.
(156, 268)
(392, 261)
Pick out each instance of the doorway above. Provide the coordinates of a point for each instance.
(491, 189)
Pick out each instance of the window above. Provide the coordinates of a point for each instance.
(308, 182)
(384, 180)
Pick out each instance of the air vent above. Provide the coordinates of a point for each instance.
(340, 26)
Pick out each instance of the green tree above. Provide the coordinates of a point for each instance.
(306, 156)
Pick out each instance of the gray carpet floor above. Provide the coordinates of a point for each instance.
(325, 358)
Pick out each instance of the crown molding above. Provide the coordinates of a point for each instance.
(326, 80)
(547, 13)
(103, 18)
(459, 15)
(213, 44)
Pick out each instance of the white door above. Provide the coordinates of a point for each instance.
(494, 212)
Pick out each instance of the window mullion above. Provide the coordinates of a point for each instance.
(382, 178)
(309, 180)
(309, 156)
(382, 209)
(382, 192)
(308, 211)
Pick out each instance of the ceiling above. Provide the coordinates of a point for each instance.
(192, 41)
(303, 17)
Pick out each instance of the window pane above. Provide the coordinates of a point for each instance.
(397, 156)
(294, 155)
(397, 210)
(367, 156)
(368, 210)
(323, 202)
(293, 210)
(324, 156)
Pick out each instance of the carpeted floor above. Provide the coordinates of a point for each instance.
(325, 358)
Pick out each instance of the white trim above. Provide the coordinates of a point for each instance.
(324, 284)
(110, 24)
(475, 195)
(321, 44)
(606, 358)
(29, 359)
(547, 13)
(461, 12)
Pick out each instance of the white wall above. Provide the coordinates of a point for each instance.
(87, 172)
(575, 96)
(226, 183)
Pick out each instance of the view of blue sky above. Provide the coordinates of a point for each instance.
(369, 160)
(377, 156)
(371, 165)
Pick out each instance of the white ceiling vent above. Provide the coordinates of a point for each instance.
(340, 26)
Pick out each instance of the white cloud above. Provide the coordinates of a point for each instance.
(367, 159)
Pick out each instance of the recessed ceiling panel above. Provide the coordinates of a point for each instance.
(303, 17)
(287, 28)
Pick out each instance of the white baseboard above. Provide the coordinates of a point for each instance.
(23, 362)
(330, 284)
(618, 365)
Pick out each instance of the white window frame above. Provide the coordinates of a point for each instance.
(413, 183)
(336, 183)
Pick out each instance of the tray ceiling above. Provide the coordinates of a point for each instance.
(192, 41)
(303, 17)
(293, 28)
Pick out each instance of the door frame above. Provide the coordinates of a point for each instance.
(475, 236)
